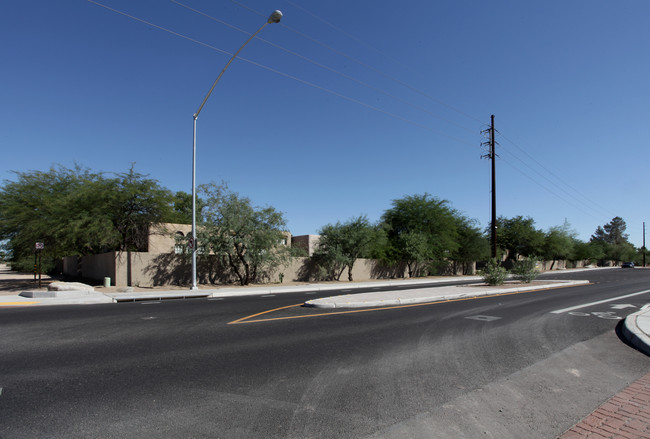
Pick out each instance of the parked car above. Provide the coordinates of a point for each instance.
(627, 265)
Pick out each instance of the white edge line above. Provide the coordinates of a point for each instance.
(560, 311)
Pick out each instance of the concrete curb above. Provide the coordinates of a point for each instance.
(255, 291)
(634, 334)
(156, 296)
(374, 299)
(64, 294)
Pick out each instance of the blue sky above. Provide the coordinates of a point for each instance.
(384, 100)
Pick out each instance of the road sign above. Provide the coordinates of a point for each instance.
(40, 246)
(190, 243)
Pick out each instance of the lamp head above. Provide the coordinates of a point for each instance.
(275, 17)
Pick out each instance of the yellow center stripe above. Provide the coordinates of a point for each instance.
(248, 319)
(16, 303)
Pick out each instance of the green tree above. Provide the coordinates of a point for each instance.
(472, 244)
(613, 240)
(246, 238)
(519, 237)
(559, 243)
(78, 212)
(137, 204)
(342, 244)
(586, 251)
(420, 228)
(182, 208)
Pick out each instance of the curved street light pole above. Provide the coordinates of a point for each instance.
(275, 17)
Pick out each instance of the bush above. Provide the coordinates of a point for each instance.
(494, 274)
(525, 270)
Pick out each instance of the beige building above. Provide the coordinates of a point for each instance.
(309, 243)
(174, 238)
(169, 238)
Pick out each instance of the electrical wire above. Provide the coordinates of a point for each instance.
(286, 75)
(349, 35)
(325, 67)
(367, 66)
(551, 182)
(549, 190)
(600, 208)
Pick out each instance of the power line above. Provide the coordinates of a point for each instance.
(549, 190)
(352, 37)
(286, 75)
(367, 66)
(601, 208)
(551, 182)
(325, 67)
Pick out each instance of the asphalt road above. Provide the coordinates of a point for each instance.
(523, 365)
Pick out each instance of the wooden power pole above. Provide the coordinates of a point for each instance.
(493, 225)
(492, 156)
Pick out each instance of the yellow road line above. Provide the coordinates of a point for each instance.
(247, 319)
(260, 313)
(16, 303)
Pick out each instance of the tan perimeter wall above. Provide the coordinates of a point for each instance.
(157, 269)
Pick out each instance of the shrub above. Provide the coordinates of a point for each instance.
(494, 274)
(524, 270)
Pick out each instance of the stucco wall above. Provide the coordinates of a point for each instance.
(98, 267)
(306, 242)
(157, 269)
(162, 239)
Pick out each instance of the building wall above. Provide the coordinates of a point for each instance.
(158, 269)
(162, 239)
(309, 243)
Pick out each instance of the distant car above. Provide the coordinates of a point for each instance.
(627, 265)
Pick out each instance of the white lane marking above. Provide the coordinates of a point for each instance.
(560, 311)
(216, 298)
(0, 391)
(611, 315)
(269, 295)
(622, 306)
(483, 318)
(151, 302)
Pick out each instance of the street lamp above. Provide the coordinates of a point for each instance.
(275, 17)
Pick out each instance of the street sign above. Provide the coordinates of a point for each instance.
(190, 243)
(40, 246)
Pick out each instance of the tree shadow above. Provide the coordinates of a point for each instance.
(175, 269)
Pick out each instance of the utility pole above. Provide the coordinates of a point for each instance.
(494, 190)
(492, 156)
